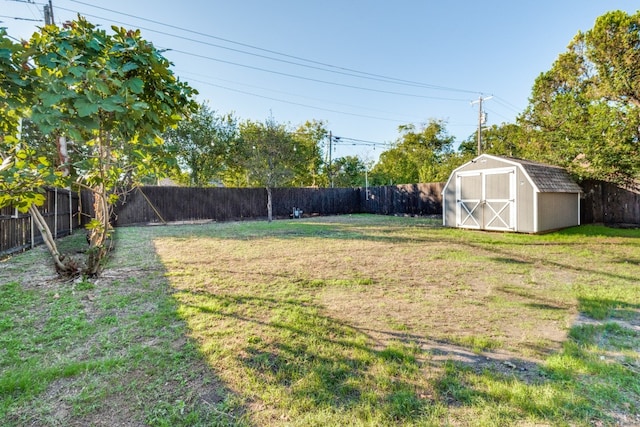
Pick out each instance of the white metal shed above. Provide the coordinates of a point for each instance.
(508, 194)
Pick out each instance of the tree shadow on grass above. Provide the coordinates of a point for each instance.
(603, 308)
(307, 367)
(575, 385)
(112, 351)
(165, 373)
(322, 370)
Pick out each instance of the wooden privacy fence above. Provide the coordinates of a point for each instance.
(608, 203)
(167, 204)
(405, 199)
(17, 231)
(602, 202)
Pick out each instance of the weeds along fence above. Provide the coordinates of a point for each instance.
(17, 231)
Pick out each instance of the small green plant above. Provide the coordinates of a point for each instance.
(84, 285)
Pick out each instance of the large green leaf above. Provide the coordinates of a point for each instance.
(129, 66)
(101, 86)
(85, 108)
(77, 71)
(49, 98)
(113, 104)
(5, 54)
(135, 85)
(139, 106)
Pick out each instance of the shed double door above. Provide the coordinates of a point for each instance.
(486, 199)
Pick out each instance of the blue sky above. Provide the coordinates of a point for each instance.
(364, 67)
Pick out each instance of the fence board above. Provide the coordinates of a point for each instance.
(157, 204)
(406, 199)
(608, 203)
(16, 229)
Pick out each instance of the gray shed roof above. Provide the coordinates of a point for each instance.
(548, 178)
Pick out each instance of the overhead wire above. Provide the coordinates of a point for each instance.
(362, 142)
(20, 19)
(507, 104)
(360, 107)
(196, 55)
(317, 65)
(251, 67)
(26, 2)
(333, 69)
(288, 75)
(37, 16)
(298, 103)
(363, 73)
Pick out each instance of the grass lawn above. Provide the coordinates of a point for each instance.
(351, 320)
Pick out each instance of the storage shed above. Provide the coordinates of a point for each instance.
(507, 194)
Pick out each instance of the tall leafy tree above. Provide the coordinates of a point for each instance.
(349, 171)
(584, 112)
(204, 144)
(269, 155)
(113, 95)
(309, 138)
(503, 140)
(417, 156)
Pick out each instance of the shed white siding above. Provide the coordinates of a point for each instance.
(504, 194)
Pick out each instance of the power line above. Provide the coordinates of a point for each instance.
(360, 74)
(334, 67)
(355, 141)
(389, 92)
(298, 104)
(359, 107)
(384, 79)
(25, 1)
(301, 77)
(328, 67)
(264, 69)
(492, 111)
(507, 104)
(357, 74)
(20, 19)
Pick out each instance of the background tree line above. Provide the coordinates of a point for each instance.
(583, 114)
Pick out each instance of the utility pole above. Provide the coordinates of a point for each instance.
(482, 119)
(330, 151)
(48, 13)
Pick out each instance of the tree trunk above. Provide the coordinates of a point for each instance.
(63, 155)
(98, 237)
(269, 205)
(63, 268)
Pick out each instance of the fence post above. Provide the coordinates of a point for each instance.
(55, 213)
(32, 232)
(70, 212)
